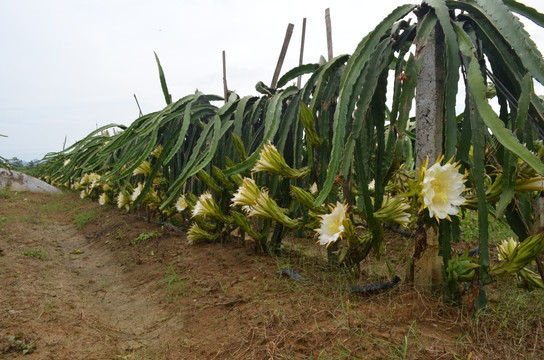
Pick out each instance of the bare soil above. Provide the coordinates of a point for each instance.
(81, 281)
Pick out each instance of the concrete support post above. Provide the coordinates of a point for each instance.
(536, 227)
(538, 222)
(427, 263)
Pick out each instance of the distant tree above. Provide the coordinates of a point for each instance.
(16, 163)
(3, 162)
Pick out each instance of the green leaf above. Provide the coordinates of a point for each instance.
(526, 11)
(198, 160)
(324, 75)
(285, 131)
(500, 17)
(264, 89)
(524, 101)
(296, 72)
(478, 173)
(240, 111)
(509, 163)
(346, 100)
(490, 118)
(370, 82)
(164, 87)
(183, 130)
(272, 123)
(365, 201)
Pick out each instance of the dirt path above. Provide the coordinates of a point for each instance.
(104, 292)
(80, 281)
(78, 302)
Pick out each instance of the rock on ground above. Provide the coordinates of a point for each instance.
(17, 181)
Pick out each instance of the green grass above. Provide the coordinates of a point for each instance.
(81, 219)
(498, 229)
(120, 234)
(58, 205)
(6, 194)
(410, 340)
(174, 284)
(35, 253)
(144, 237)
(47, 303)
(514, 318)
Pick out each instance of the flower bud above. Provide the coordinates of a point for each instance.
(196, 234)
(239, 146)
(143, 169)
(246, 195)
(273, 162)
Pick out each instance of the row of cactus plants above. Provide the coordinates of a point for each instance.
(267, 163)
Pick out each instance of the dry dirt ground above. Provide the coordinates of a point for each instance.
(80, 281)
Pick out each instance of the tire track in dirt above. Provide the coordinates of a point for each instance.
(113, 304)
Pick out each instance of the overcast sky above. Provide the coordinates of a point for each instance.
(69, 66)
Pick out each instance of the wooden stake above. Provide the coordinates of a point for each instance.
(299, 80)
(138, 104)
(288, 34)
(329, 32)
(225, 87)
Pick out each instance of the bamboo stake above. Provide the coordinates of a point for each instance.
(225, 87)
(329, 32)
(288, 34)
(299, 80)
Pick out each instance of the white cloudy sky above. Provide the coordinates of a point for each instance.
(68, 66)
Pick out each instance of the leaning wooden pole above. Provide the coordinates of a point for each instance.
(300, 59)
(426, 267)
(329, 32)
(283, 51)
(138, 104)
(225, 87)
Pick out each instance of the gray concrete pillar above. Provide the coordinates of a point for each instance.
(427, 263)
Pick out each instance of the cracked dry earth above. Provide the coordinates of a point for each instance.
(80, 281)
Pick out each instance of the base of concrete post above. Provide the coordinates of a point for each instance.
(425, 270)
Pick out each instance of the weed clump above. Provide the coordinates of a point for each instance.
(35, 253)
(82, 219)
